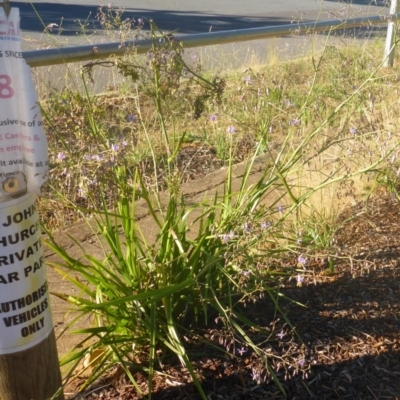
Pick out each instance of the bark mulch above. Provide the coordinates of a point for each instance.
(350, 329)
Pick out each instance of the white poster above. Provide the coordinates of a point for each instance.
(25, 317)
(23, 143)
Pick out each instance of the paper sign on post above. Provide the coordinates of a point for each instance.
(23, 143)
(25, 317)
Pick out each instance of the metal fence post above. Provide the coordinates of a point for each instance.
(29, 368)
(390, 36)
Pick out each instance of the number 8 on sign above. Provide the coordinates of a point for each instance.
(6, 91)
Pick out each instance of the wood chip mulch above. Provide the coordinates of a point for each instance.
(350, 329)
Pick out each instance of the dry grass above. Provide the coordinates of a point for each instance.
(90, 134)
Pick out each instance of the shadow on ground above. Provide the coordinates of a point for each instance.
(351, 346)
(350, 330)
(349, 325)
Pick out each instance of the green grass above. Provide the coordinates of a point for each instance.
(327, 124)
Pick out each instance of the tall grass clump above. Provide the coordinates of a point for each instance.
(310, 129)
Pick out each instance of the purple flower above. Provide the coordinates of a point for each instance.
(231, 129)
(213, 117)
(241, 351)
(93, 157)
(294, 122)
(255, 375)
(61, 156)
(246, 227)
(301, 261)
(92, 181)
(131, 118)
(140, 21)
(281, 334)
(226, 237)
(281, 208)
(114, 147)
(248, 80)
(353, 131)
(301, 363)
(288, 103)
(265, 225)
(300, 280)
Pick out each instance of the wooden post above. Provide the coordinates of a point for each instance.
(31, 374)
(388, 56)
(29, 368)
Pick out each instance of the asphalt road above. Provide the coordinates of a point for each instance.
(189, 16)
